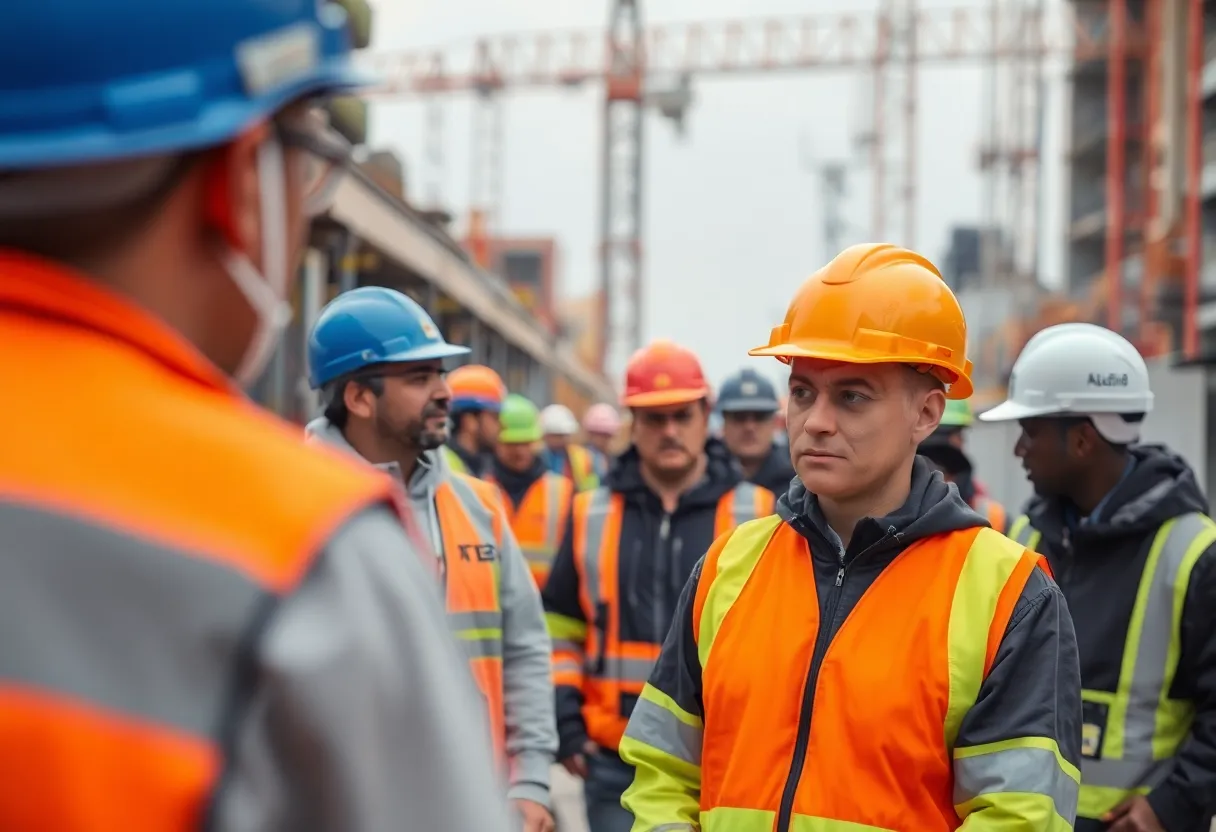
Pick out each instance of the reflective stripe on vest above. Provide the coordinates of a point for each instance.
(868, 726)
(539, 521)
(455, 463)
(137, 572)
(1144, 728)
(471, 525)
(614, 667)
(581, 468)
(1024, 533)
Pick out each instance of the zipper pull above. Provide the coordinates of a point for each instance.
(840, 576)
(665, 528)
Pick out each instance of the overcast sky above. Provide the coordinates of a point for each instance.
(733, 220)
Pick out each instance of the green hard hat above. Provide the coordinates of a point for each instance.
(520, 421)
(957, 415)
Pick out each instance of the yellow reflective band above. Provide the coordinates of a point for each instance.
(1096, 801)
(1015, 810)
(565, 628)
(730, 819)
(735, 564)
(657, 721)
(990, 561)
(1024, 533)
(481, 644)
(1025, 766)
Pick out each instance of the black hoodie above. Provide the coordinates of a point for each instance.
(653, 565)
(1033, 689)
(1099, 564)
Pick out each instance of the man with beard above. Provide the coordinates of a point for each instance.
(632, 544)
(1126, 529)
(748, 404)
(379, 361)
(944, 448)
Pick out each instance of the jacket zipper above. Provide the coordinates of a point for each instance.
(659, 578)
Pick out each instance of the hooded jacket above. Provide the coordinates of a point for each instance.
(653, 566)
(776, 471)
(527, 692)
(1033, 688)
(1098, 563)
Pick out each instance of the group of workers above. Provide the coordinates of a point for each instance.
(405, 620)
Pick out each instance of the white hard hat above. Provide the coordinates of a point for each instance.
(1079, 370)
(557, 420)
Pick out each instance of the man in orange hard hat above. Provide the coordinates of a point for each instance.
(632, 545)
(874, 656)
(477, 396)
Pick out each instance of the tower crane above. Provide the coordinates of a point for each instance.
(631, 62)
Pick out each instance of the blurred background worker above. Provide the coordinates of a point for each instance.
(378, 360)
(914, 669)
(1127, 532)
(602, 425)
(561, 454)
(748, 404)
(537, 500)
(634, 540)
(477, 396)
(945, 449)
(171, 555)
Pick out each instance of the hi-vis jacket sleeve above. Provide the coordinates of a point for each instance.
(663, 739)
(568, 631)
(1017, 756)
(361, 710)
(527, 681)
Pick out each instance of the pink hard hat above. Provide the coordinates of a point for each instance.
(602, 418)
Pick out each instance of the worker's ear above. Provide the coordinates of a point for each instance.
(232, 192)
(932, 405)
(360, 399)
(1082, 439)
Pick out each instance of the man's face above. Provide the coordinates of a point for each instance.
(516, 456)
(557, 442)
(600, 441)
(851, 426)
(748, 435)
(670, 439)
(1052, 451)
(412, 410)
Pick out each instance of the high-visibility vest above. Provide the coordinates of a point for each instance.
(581, 468)
(539, 521)
(471, 523)
(152, 516)
(892, 691)
(993, 512)
(1133, 752)
(613, 667)
(455, 463)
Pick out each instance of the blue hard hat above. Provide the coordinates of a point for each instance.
(748, 392)
(372, 325)
(85, 81)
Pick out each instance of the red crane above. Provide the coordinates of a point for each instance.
(625, 58)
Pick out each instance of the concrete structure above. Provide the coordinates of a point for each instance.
(371, 237)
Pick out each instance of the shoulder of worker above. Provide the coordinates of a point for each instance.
(357, 664)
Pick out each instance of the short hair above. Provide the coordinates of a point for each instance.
(336, 412)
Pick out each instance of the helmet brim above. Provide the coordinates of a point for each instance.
(749, 406)
(665, 398)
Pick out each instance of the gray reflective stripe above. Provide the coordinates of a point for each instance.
(674, 827)
(561, 645)
(130, 625)
(567, 665)
(744, 507)
(541, 556)
(1016, 770)
(487, 647)
(479, 515)
(1178, 543)
(1024, 533)
(627, 670)
(476, 620)
(659, 728)
(1116, 774)
(593, 540)
(553, 513)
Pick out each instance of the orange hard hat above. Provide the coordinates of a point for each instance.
(476, 387)
(663, 373)
(877, 304)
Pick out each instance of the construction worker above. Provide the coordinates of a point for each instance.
(1126, 529)
(601, 425)
(945, 449)
(379, 361)
(537, 500)
(748, 404)
(197, 629)
(873, 656)
(477, 396)
(561, 453)
(633, 543)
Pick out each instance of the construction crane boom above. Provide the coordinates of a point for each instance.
(627, 59)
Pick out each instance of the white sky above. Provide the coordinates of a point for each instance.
(732, 218)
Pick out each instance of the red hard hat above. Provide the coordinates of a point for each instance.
(662, 374)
